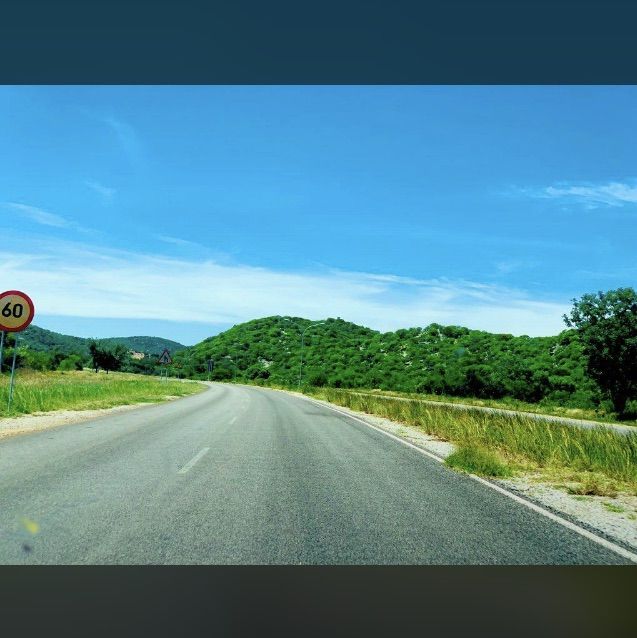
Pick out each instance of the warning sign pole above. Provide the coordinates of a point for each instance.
(16, 314)
(1, 348)
(164, 360)
(15, 352)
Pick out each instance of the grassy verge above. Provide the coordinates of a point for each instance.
(508, 404)
(47, 391)
(491, 444)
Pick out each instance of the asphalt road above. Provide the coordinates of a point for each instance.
(239, 475)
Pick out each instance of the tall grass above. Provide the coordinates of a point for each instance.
(507, 403)
(546, 444)
(45, 391)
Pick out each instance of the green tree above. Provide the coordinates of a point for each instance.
(72, 362)
(607, 324)
(36, 360)
(107, 358)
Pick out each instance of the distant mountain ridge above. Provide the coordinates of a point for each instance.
(149, 345)
(43, 340)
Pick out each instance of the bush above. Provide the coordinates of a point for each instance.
(72, 362)
(318, 380)
(478, 461)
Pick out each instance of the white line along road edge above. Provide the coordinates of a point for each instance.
(536, 508)
(193, 460)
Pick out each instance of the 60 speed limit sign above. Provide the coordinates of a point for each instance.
(16, 311)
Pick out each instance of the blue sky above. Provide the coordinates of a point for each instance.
(180, 211)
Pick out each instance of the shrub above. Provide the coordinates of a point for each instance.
(478, 461)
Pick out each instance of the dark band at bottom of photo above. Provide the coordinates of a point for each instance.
(304, 600)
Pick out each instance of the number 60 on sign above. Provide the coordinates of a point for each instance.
(16, 311)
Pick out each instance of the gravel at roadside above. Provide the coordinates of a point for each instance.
(46, 420)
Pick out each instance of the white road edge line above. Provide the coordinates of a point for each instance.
(193, 460)
(536, 508)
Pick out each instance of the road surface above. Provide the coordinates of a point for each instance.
(240, 475)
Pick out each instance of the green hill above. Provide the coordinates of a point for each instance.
(437, 359)
(148, 345)
(42, 340)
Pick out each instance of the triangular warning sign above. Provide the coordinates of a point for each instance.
(165, 357)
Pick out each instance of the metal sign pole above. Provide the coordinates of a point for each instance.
(15, 352)
(1, 348)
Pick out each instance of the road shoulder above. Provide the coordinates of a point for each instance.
(40, 421)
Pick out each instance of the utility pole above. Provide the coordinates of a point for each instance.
(302, 331)
(315, 323)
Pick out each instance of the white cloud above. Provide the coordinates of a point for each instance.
(73, 280)
(591, 195)
(38, 215)
(104, 191)
(508, 266)
(127, 138)
(45, 218)
(167, 239)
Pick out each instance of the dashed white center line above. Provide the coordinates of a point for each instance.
(193, 460)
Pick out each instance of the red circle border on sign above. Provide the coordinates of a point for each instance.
(29, 319)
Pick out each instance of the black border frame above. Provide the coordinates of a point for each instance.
(327, 42)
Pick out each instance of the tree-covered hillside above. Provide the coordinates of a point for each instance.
(148, 345)
(41, 340)
(437, 359)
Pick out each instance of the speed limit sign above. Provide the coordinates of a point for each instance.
(16, 311)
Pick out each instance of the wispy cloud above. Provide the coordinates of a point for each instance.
(39, 215)
(590, 195)
(506, 267)
(100, 189)
(45, 217)
(167, 239)
(127, 138)
(82, 281)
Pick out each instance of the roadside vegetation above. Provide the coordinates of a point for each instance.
(74, 390)
(478, 461)
(585, 461)
(507, 404)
